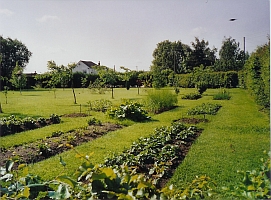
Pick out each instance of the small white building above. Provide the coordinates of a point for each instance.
(85, 67)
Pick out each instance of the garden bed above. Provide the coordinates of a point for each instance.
(57, 143)
(158, 155)
(191, 120)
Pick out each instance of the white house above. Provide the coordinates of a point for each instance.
(85, 67)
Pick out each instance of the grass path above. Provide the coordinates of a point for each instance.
(234, 140)
(113, 142)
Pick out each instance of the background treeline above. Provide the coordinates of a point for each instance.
(174, 64)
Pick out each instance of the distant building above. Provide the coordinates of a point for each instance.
(85, 67)
(30, 80)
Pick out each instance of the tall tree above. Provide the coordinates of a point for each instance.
(170, 55)
(12, 51)
(201, 54)
(230, 56)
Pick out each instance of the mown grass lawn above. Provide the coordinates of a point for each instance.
(232, 140)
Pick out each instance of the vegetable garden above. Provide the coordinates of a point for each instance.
(130, 147)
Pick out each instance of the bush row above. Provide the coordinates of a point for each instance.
(256, 75)
(213, 79)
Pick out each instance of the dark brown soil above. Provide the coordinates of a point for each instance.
(75, 115)
(58, 143)
(184, 149)
(191, 120)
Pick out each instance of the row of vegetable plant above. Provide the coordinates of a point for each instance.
(156, 155)
(204, 108)
(122, 182)
(12, 124)
(57, 143)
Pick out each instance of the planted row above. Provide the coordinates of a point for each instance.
(12, 124)
(97, 182)
(205, 108)
(158, 154)
(57, 143)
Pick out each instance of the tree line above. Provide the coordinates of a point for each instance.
(174, 64)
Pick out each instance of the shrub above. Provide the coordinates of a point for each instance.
(192, 96)
(160, 100)
(94, 121)
(201, 86)
(222, 95)
(55, 119)
(99, 105)
(128, 110)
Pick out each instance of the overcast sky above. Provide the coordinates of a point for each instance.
(125, 32)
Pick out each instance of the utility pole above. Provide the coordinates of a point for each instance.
(244, 50)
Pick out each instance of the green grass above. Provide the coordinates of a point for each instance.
(234, 139)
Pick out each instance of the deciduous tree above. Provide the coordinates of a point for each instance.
(12, 51)
(201, 54)
(231, 57)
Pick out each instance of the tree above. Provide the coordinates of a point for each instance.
(61, 75)
(230, 56)
(126, 76)
(108, 76)
(170, 55)
(18, 79)
(12, 52)
(201, 54)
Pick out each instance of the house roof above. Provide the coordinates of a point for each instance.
(88, 63)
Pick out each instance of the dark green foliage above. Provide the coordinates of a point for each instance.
(94, 121)
(222, 95)
(128, 110)
(12, 51)
(159, 150)
(212, 79)
(55, 119)
(13, 124)
(256, 76)
(160, 100)
(203, 109)
(192, 96)
(230, 56)
(201, 86)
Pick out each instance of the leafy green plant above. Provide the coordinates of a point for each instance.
(128, 110)
(192, 96)
(12, 124)
(160, 100)
(94, 121)
(254, 185)
(203, 109)
(201, 86)
(154, 155)
(55, 119)
(44, 149)
(29, 122)
(222, 95)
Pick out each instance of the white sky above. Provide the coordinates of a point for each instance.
(125, 32)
